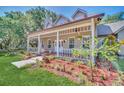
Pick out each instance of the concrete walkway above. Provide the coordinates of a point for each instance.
(22, 63)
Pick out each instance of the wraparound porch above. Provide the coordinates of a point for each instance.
(58, 42)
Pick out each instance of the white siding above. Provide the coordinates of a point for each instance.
(61, 21)
(79, 15)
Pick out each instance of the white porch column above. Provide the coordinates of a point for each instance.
(39, 44)
(57, 44)
(28, 39)
(93, 43)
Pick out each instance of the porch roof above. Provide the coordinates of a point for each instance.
(72, 22)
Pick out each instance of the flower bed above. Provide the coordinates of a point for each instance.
(73, 72)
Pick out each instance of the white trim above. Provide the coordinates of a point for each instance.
(67, 34)
(79, 10)
(39, 44)
(93, 42)
(57, 43)
(59, 30)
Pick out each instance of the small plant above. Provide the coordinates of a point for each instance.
(56, 67)
(22, 51)
(57, 57)
(27, 55)
(83, 80)
(46, 60)
(75, 52)
(39, 63)
(52, 66)
(78, 63)
(61, 68)
(89, 64)
(51, 57)
(103, 77)
(69, 70)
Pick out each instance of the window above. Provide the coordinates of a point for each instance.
(85, 42)
(85, 28)
(49, 43)
(71, 42)
(89, 27)
(82, 28)
(76, 29)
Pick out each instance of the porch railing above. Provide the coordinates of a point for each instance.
(68, 53)
(63, 52)
(33, 50)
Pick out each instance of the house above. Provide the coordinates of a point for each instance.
(60, 37)
(117, 28)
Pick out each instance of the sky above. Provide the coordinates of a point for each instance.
(67, 10)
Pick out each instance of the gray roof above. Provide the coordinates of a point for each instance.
(106, 29)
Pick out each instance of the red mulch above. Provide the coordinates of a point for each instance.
(71, 71)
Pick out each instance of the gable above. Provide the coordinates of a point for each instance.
(61, 20)
(79, 14)
(48, 25)
(48, 22)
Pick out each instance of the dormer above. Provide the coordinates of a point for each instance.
(79, 14)
(61, 20)
(48, 22)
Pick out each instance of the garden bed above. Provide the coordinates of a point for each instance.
(81, 73)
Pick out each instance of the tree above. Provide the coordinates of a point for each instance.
(113, 18)
(15, 25)
(39, 15)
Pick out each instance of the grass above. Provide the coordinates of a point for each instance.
(121, 64)
(12, 76)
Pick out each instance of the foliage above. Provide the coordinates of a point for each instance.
(27, 55)
(113, 18)
(78, 63)
(83, 80)
(15, 25)
(51, 57)
(108, 50)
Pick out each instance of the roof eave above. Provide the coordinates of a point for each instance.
(94, 16)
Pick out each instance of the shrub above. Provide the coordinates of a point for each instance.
(51, 57)
(27, 55)
(78, 63)
(22, 52)
(39, 63)
(83, 80)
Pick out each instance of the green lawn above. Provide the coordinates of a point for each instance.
(12, 76)
(121, 64)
